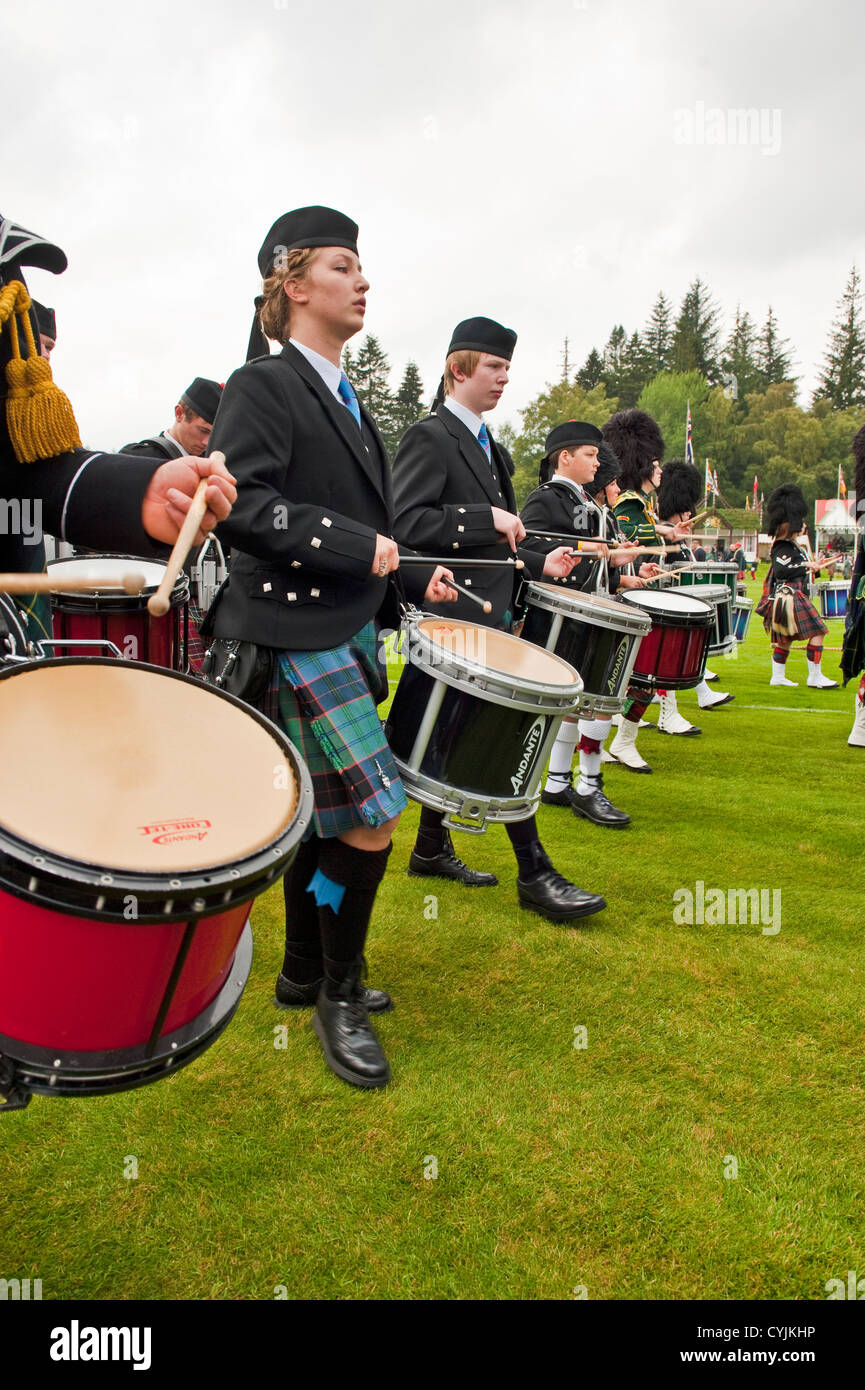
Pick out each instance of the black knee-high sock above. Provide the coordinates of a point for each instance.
(531, 858)
(346, 884)
(303, 959)
(430, 835)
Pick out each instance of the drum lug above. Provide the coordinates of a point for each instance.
(14, 1098)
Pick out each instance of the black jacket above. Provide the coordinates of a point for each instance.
(444, 488)
(554, 506)
(155, 446)
(313, 491)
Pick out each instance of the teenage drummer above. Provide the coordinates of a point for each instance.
(312, 550)
(787, 612)
(576, 469)
(453, 496)
(638, 444)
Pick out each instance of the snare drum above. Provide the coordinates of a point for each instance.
(14, 641)
(673, 656)
(743, 610)
(592, 633)
(833, 598)
(473, 719)
(128, 864)
(723, 639)
(114, 616)
(710, 572)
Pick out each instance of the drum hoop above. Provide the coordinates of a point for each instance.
(84, 1073)
(569, 605)
(672, 617)
(500, 688)
(95, 600)
(28, 872)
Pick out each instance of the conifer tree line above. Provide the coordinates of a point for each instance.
(741, 389)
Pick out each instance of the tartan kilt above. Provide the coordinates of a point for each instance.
(194, 646)
(806, 619)
(325, 702)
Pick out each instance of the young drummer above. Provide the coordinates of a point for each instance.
(787, 612)
(312, 552)
(572, 478)
(678, 496)
(638, 444)
(453, 495)
(853, 658)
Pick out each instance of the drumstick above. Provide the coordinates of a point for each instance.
(160, 602)
(467, 593)
(131, 583)
(450, 560)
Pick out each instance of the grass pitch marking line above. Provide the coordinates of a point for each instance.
(797, 709)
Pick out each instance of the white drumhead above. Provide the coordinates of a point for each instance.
(665, 601)
(132, 769)
(102, 567)
(578, 600)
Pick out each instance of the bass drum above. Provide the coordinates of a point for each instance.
(128, 865)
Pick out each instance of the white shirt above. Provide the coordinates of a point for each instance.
(330, 375)
(470, 420)
(166, 434)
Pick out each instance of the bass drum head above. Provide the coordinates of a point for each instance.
(124, 766)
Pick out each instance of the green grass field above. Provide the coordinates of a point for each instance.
(705, 1142)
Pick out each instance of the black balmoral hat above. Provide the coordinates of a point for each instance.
(571, 435)
(314, 226)
(483, 335)
(203, 397)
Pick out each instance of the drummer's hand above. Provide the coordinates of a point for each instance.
(386, 556)
(631, 581)
(622, 555)
(172, 487)
(561, 561)
(648, 571)
(436, 591)
(508, 524)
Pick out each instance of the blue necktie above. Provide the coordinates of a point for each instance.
(484, 441)
(348, 398)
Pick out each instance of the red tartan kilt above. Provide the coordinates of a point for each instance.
(805, 616)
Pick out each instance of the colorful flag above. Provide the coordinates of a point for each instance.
(842, 486)
(715, 488)
(755, 492)
(708, 484)
(689, 443)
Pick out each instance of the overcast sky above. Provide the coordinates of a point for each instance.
(549, 163)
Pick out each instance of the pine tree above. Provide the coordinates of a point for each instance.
(842, 380)
(348, 364)
(739, 360)
(407, 406)
(658, 336)
(695, 337)
(614, 354)
(371, 379)
(592, 371)
(772, 354)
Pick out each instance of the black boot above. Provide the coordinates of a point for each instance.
(596, 807)
(342, 1023)
(545, 891)
(445, 864)
(293, 996)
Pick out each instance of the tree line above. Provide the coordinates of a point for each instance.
(742, 394)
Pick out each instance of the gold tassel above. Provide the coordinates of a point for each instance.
(39, 416)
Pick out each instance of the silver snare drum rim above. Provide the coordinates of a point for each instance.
(594, 609)
(475, 678)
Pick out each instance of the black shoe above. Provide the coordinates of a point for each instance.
(563, 798)
(292, 996)
(350, 1046)
(596, 807)
(445, 864)
(547, 892)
